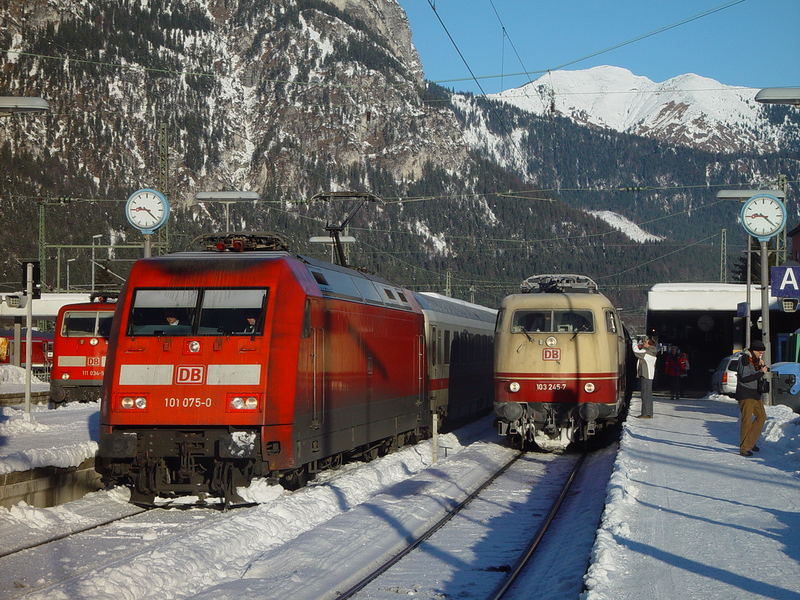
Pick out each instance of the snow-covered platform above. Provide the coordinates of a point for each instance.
(688, 517)
(47, 457)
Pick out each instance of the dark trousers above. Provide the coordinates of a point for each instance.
(646, 386)
(675, 384)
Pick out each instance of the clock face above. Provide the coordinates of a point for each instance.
(763, 216)
(147, 209)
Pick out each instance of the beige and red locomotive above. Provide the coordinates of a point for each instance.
(561, 362)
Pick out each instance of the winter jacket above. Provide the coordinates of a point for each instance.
(747, 378)
(647, 360)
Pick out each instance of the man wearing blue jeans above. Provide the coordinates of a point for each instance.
(647, 354)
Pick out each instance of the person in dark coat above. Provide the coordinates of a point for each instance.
(750, 373)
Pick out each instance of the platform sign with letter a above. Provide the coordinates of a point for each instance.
(785, 282)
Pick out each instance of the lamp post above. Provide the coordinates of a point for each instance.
(226, 198)
(94, 237)
(742, 196)
(69, 260)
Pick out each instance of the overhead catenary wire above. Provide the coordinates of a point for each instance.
(574, 61)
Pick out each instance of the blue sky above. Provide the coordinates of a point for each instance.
(752, 43)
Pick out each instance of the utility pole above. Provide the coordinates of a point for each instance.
(780, 240)
(723, 256)
(447, 283)
(163, 176)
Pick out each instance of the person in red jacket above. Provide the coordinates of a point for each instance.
(672, 369)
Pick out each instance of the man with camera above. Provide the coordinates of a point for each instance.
(750, 385)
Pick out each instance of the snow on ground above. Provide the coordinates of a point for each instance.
(59, 438)
(12, 381)
(685, 516)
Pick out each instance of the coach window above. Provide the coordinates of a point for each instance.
(232, 312)
(162, 312)
(447, 347)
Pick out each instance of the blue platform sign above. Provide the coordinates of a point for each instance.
(785, 282)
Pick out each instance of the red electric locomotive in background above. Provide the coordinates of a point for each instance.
(80, 346)
(224, 366)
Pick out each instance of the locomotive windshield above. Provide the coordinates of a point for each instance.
(170, 312)
(552, 321)
(87, 324)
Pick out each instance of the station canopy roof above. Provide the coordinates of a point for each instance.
(704, 296)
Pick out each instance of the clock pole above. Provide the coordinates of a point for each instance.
(765, 306)
(147, 253)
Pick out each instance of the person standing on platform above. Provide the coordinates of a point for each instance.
(647, 353)
(750, 385)
(672, 369)
(683, 362)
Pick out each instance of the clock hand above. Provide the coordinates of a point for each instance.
(145, 209)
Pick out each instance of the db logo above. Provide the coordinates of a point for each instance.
(190, 375)
(551, 354)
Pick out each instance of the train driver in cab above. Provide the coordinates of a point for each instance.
(251, 324)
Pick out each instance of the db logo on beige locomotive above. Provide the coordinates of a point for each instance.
(551, 353)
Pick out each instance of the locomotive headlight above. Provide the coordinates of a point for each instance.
(551, 341)
(128, 402)
(588, 387)
(194, 346)
(93, 342)
(65, 376)
(237, 403)
(513, 387)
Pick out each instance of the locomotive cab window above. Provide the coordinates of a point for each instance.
(532, 321)
(86, 324)
(552, 321)
(162, 312)
(232, 312)
(198, 312)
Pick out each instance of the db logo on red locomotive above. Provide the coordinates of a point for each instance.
(551, 353)
(190, 375)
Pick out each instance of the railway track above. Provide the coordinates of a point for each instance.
(77, 531)
(382, 582)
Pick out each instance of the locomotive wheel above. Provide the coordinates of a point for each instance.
(370, 454)
(336, 461)
(294, 480)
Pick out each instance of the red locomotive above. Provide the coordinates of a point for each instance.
(79, 351)
(231, 365)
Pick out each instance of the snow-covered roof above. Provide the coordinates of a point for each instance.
(46, 307)
(705, 296)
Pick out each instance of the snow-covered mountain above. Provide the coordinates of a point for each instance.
(688, 110)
